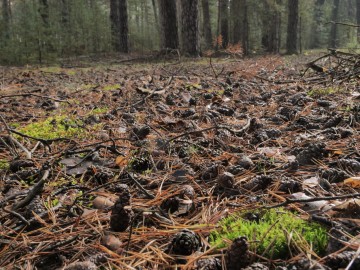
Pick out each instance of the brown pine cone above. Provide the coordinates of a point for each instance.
(237, 255)
(185, 243)
(121, 215)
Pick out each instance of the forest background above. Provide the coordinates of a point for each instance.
(47, 31)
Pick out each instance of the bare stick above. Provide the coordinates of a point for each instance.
(36, 190)
(329, 198)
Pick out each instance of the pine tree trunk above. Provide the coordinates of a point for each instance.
(115, 24)
(333, 43)
(271, 28)
(189, 27)
(224, 22)
(6, 18)
(44, 11)
(123, 27)
(168, 24)
(245, 29)
(318, 22)
(236, 16)
(358, 18)
(292, 30)
(206, 23)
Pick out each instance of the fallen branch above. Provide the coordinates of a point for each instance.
(329, 198)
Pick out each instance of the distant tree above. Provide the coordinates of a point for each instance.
(44, 11)
(115, 24)
(239, 23)
(6, 18)
(333, 42)
(189, 27)
(236, 20)
(206, 23)
(224, 21)
(358, 18)
(318, 28)
(168, 24)
(119, 25)
(124, 31)
(271, 26)
(292, 29)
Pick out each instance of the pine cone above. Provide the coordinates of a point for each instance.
(237, 255)
(257, 266)
(209, 264)
(185, 243)
(121, 215)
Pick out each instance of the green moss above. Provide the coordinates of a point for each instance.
(322, 91)
(99, 110)
(4, 165)
(54, 127)
(111, 87)
(274, 235)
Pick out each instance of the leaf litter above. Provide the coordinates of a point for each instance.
(163, 152)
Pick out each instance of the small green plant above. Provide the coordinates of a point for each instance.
(275, 235)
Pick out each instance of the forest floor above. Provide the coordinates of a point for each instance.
(228, 164)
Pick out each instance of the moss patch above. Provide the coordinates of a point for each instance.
(277, 234)
(4, 165)
(54, 127)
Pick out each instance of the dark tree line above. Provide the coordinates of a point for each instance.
(47, 29)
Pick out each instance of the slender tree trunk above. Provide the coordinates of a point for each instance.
(44, 12)
(124, 30)
(224, 22)
(358, 18)
(292, 30)
(245, 29)
(155, 14)
(168, 24)
(189, 27)
(236, 15)
(6, 17)
(333, 43)
(115, 24)
(206, 23)
(270, 28)
(318, 24)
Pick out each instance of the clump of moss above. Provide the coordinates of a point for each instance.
(54, 127)
(4, 165)
(274, 234)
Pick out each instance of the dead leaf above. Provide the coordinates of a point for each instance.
(102, 203)
(353, 182)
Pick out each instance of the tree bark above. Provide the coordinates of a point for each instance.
(206, 23)
(189, 27)
(292, 30)
(168, 24)
(271, 27)
(236, 18)
(115, 24)
(333, 42)
(123, 27)
(44, 11)
(224, 22)
(358, 18)
(6, 17)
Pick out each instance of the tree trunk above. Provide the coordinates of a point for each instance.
(318, 24)
(44, 11)
(358, 18)
(245, 29)
(271, 27)
(189, 27)
(333, 43)
(115, 24)
(6, 18)
(155, 14)
(65, 12)
(168, 24)
(206, 23)
(236, 15)
(292, 30)
(224, 22)
(124, 31)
